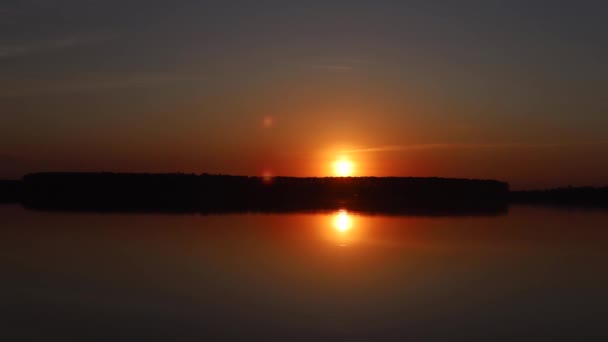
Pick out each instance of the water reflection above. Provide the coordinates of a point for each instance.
(342, 221)
(342, 224)
(286, 277)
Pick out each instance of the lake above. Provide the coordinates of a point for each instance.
(534, 273)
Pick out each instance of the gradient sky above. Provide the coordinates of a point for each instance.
(512, 90)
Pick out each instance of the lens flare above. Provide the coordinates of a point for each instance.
(267, 177)
(268, 121)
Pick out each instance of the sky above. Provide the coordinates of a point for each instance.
(510, 90)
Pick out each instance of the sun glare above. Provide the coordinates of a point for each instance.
(342, 221)
(343, 168)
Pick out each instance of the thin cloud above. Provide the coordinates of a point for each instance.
(397, 148)
(344, 65)
(98, 81)
(333, 67)
(340, 65)
(8, 50)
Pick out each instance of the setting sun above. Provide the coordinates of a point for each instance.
(343, 168)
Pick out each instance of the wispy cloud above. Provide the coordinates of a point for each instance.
(343, 65)
(333, 67)
(98, 81)
(445, 146)
(17, 49)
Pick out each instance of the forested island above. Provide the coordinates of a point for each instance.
(221, 193)
(207, 193)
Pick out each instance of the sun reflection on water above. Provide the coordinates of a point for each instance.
(342, 221)
(342, 224)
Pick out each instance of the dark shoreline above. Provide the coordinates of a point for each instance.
(217, 194)
(589, 197)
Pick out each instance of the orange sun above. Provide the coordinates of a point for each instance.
(343, 167)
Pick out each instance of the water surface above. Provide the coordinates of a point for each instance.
(533, 273)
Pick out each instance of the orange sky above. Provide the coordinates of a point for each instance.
(401, 89)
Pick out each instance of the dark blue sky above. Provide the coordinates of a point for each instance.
(500, 89)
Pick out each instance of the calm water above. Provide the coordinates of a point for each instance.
(534, 273)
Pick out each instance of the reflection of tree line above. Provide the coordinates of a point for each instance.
(573, 196)
(219, 193)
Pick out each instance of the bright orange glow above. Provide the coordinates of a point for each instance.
(267, 177)
(343, 229)
(343, 167)
(268, 121)
(342, 221)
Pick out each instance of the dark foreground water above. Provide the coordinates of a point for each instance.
(534, 274)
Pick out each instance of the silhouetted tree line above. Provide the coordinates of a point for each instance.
(571, 196)
(220, 193)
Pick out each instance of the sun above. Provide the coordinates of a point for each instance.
(343, 167)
